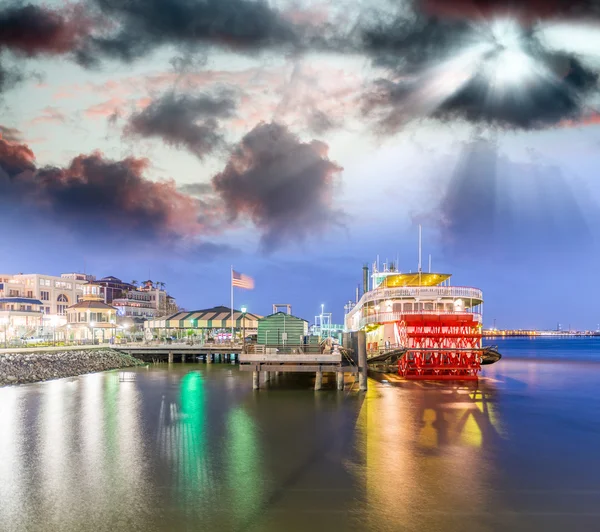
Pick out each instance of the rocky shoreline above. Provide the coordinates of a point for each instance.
(22, 368)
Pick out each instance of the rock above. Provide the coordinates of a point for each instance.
(11, 378)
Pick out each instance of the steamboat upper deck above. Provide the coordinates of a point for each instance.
(396, 295)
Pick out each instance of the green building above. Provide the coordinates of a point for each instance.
(281, 329)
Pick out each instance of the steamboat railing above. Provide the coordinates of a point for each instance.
(420, 293)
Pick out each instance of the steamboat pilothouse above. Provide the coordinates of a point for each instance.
(430, 328)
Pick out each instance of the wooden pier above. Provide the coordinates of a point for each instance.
(292, 362)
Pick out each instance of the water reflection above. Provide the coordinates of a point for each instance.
(12, 487)
(182, 449)
(422, 450)
(243, 465)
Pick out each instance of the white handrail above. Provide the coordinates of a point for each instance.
(418, 292)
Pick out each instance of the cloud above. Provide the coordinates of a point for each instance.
(196, 189)
(146, 24)
(10, 134)
(50, 115)
(285, 186)
(99, 199)
(34, 30)
(184, 121)
(14, 158)
(526, 10)
(9, 77)
(495, 72)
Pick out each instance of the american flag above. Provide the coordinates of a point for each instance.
(241, 281)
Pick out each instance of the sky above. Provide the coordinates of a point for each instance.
(297, 141)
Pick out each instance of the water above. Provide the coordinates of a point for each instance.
(194, 448)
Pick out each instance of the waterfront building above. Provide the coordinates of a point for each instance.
(282, 328)
(19, 317)
(144, 302)
(55, 293)
(114, 288)
(213, 324)
(91, 319)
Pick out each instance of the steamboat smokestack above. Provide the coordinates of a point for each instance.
(365, 279)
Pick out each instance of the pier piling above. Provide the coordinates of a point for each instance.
(318, 380)
(339, 376)
(362, 360)
(183, 359)
(255, 380)
(170, 357)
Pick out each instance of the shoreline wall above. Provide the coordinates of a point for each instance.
(27, 367)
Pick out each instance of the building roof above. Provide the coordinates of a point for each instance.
(97, 305)
(281, 313)
(24, 300)
(212, 318)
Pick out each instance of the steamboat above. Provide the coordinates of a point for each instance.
(420, 324)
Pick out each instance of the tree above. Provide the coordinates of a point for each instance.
(134, 283)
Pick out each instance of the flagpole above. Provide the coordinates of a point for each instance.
(231, 281)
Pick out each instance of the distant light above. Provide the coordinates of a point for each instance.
(244, 309)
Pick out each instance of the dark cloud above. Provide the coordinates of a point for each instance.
(494, 206)
(14, 158)
(9, 77)
(283, 185)
(99, 198)
(526, 10)
(146, 24)
(190, 122)
(35, 30)
(451, 67)
(319, 122)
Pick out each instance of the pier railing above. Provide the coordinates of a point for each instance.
(386, 317)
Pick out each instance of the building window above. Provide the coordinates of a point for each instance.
(47, 310)
(61, 309)
(45, 296)
(41, 282)
(29, 293)
(62, 298)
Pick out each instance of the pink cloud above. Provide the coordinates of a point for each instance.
(50, 115)
(105, 109)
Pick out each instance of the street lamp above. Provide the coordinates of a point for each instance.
(244, 309)
(54, 321)
(5, 321)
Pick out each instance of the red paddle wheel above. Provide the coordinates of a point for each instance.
(441, 347)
